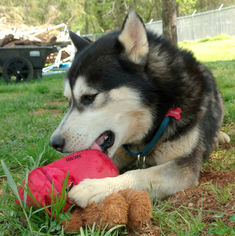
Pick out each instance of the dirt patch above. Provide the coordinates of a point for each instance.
(207, 196)
(221, 178)
(150, 231)
(57, 103)
(53, 112)
(227, 146)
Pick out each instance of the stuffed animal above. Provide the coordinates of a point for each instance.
(129, 207)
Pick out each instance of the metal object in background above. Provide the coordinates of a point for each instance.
(21, 63)
(201, 25)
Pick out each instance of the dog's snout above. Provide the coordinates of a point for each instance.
(57, 142)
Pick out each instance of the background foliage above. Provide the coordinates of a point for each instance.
(94, 16)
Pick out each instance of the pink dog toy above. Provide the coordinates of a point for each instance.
(86, 164)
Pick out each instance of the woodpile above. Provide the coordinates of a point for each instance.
(34, 33)
(51, 58)
(44, 35)
(10, 41)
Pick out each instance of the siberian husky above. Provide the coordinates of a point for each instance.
(121, 88)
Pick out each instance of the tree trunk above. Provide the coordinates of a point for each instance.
(86, 17)
(117, 13)
(169, 20)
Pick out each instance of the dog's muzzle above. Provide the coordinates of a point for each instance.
(57, 142)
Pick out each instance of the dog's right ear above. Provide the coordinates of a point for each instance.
(78, 42)
(133, 37)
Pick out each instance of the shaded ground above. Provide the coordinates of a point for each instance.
(53, 112)
(51, 107)
(210, 195)
(213, 201)
(214, 198)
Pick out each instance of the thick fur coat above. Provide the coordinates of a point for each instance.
(120, 89)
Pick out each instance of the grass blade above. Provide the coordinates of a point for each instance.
(14, 189)
(40, 156)
(11, 182)
(26, 184)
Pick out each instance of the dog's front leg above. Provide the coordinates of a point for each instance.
(96, 190)
(160, 181)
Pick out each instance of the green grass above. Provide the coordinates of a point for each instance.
(216, 38)
(24, 131)
(223, 195)
(219, 56)
(178, 221)
(29, 112)
(213, 50)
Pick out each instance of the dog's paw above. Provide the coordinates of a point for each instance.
(223, 138)
(90, 190)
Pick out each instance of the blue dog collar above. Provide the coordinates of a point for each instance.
(173, 112)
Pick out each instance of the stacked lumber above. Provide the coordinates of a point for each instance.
(44, 35)
(51, 58)
(14, 34)
(38, 33)
(10, 41)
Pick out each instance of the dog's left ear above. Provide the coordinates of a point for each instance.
(133, 37)
(78, 42)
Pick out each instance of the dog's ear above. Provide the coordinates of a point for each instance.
(133, 37)
(78, 42)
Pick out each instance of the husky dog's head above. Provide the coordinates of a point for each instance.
(106, 87)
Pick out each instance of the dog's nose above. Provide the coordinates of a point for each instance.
(57, 142)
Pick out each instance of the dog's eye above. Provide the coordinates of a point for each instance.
(88, 99)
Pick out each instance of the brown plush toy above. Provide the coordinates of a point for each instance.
(130, 207)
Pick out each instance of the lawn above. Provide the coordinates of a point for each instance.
(29, 112)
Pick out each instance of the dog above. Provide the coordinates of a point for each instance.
(120, 89)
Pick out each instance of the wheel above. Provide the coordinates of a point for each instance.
(37, 73)
(17, 69)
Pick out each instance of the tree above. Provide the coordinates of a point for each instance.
(186, 7)
(169, 20)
